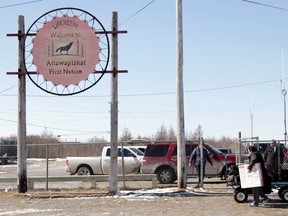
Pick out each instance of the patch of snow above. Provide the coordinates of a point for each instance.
(159, 192)
(26, 211)
(9, 189)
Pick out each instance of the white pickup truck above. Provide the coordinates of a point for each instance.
(101, 165)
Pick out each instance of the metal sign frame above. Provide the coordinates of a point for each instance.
(94, 77)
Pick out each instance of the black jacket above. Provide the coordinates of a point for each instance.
(254, 158)
(271, 157)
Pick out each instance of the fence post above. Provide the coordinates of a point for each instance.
(47, 160)
(123, 167)
(30, 184)
(201, 162)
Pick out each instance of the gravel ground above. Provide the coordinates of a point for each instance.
(215, 200)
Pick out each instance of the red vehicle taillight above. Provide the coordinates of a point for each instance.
(67, 163)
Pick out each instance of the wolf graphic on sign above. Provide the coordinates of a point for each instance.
(65, 48)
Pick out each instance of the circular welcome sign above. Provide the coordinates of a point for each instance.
(66, 51)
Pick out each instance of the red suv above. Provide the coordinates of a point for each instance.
(161, 159)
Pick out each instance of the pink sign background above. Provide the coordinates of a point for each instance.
(65, 50)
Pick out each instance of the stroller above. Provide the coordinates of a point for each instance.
(241, 194)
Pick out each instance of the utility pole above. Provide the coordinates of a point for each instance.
(181, 154)
(251, 122)
(284, 93)
(113, 174)
(21, 138)
(251, 117)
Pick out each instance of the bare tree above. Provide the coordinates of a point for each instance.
(198, 133)
(96, 139)
(126, 135)
(161, 133)
(171, 134)
(46, 137)
(223, 142)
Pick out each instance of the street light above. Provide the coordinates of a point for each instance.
(284, 93)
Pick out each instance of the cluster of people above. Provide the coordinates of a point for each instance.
(271, 163)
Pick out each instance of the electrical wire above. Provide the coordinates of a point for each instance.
(265, 5)
(160, 93)
(13, 5)
(56, 128)
(136, 13)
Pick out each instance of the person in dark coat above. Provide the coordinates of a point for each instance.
(196, 157)
(271, 156)
(256, 157)
(286, 157)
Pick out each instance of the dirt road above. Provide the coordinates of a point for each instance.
(214, 201)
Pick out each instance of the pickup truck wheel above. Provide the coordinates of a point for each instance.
(84, 170)
(166, 175)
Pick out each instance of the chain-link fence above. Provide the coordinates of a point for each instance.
(51, 160)
(273, 154)
(8, 150)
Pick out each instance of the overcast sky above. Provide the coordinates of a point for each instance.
(232, 70)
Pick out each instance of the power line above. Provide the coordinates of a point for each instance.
(55, 128)
(235, 86)
(136, 12)
(265, 5)
(205, 90)
(7, 89)
(13, 5)
(163, 93)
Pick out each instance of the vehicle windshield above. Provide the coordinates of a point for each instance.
(214, 149)
(137, 151)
